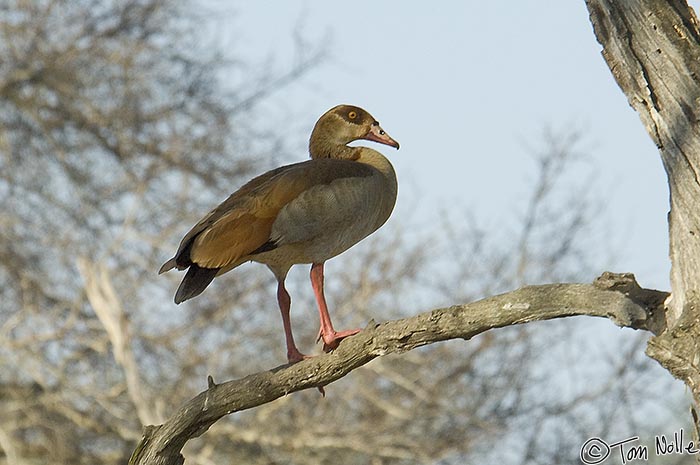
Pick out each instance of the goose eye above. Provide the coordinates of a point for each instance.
(352, 115)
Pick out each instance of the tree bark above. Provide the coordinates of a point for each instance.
(652, 48)
(614, 296)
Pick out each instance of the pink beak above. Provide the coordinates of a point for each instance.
(377, 134)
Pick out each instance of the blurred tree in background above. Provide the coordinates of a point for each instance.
(115, 135)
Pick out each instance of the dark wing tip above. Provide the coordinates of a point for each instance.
(195, 281)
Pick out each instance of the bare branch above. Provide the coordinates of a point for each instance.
(613, 296)
(104, 301)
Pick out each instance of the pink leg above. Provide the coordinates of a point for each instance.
(331, 337)
(285, 302)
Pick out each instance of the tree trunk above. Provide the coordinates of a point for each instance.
(653, 50)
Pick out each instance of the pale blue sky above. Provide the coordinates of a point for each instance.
(465, 87)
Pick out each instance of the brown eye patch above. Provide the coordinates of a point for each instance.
(354, 115)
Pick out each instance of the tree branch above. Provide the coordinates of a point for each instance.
(106, 304)
(617, 297)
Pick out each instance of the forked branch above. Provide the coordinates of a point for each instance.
(614, 296)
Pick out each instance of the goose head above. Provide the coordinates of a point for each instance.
(341, 125)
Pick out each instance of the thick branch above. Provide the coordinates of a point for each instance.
(617, 297)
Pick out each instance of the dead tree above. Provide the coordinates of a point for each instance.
(653, 50)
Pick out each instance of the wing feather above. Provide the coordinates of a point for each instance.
(243, 223)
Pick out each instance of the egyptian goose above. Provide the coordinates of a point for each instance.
(306, 212)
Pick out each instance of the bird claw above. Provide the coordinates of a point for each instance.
(331, 339)
(294, 356)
